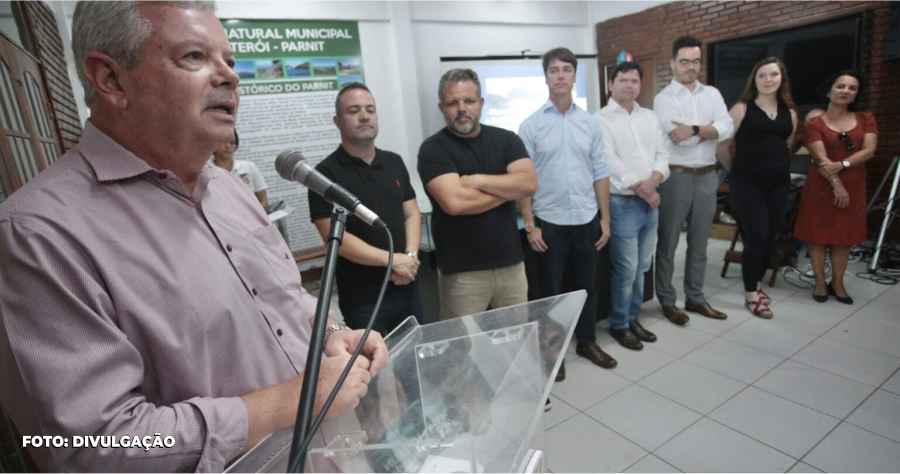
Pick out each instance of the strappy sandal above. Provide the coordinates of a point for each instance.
(760, 309)
(764, 298)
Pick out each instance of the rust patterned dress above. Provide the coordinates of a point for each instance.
(819, 220)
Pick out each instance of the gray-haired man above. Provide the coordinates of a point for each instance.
(144, 294)
(473, 173)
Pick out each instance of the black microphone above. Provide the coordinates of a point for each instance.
(291, 166)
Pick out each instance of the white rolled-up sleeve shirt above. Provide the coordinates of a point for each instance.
(634, 144)
(703, 106)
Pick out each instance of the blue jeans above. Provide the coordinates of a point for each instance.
(631, 244)
(395, 308)
(575, 244)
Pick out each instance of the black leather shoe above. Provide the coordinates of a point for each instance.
(626, 339)
(846, 300)
(561, 374)
(820, 298)
(641, 333)
(593, 353)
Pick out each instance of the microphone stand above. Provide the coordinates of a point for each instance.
(316, 343)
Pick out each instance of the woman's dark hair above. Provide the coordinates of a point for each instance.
(784, 90)
(237, 142)
(825, 88)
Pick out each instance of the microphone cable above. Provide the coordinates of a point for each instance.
(297, 464)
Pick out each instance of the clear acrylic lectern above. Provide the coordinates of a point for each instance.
(464, 395)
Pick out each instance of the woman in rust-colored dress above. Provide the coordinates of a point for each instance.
(833, 205)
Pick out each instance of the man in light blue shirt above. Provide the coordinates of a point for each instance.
(566, 145)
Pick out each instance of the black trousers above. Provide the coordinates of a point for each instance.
(760, 210)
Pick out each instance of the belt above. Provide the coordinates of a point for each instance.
(694, 171)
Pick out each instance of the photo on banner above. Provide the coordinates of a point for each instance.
(290, 73)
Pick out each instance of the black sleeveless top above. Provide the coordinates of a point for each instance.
(762, 152)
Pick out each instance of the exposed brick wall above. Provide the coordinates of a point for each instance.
(649, 34)
(50, 52)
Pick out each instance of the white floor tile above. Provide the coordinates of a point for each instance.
(853, 362)
(791, 428)
(580, 444)
(708, 446)
(560, 412)
(803, 319)
(677, 340)
(803, 467)
(651, 463)
(768, 337)
(642, 416)
(875, 337)
(891, 296)
(697, 388)
(586, 384)
(893, 384)
(729, 303)
(852, 449)
(879, 313)
(734, 360)
(880, 413)
(635, 365)
(817, 389)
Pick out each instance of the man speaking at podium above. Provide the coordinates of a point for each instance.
(143, 292)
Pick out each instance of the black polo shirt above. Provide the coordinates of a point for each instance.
(383, 187)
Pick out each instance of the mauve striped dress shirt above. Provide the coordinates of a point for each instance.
(131, 308)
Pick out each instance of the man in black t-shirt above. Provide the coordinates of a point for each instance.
(380, 180)
(473, 174)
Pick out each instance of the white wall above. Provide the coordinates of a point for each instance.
(402, 43)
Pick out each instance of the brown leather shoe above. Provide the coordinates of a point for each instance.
(561, 375)
(704, 309)
(677, 316)
(593, 353)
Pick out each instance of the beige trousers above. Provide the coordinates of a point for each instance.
(468, 293)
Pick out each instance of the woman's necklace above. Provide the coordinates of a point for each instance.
(771, 114)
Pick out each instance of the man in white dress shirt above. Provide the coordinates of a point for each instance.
(637, 158)
(696, 119)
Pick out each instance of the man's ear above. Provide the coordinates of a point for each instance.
(103, 72)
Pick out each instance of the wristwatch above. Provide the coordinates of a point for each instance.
(696, 130)
(414, 255)
(529, 228)
(846, 164)
(333, 329)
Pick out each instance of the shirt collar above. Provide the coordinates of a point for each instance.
(111, 161)
(346, 158)
(679, 87)
(548, 106)
(615, 107)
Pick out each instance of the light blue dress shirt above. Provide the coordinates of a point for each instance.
(567, 151)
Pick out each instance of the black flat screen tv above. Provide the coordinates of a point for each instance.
(810, 52)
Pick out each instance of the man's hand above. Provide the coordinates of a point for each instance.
(404, 267)
(355, 386)
(646, 188)
(653, 200)
(827, 170)
(345, 342)
(536, 240)
(469, 181)
(681, 132)
(604, 237)
(399, 280)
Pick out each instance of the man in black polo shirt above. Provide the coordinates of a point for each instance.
(473, 174)
(380, 180)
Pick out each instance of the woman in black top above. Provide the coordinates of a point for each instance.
(759, 178)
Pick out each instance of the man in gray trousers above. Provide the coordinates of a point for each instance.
(696, 119)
